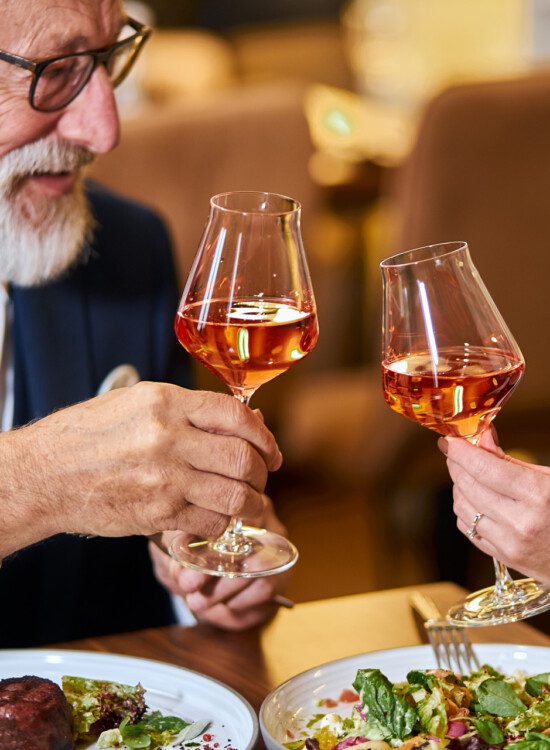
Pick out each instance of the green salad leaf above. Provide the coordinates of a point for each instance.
(422, 678)
(153, 731)
(390, 711)
(532, 741)
(98, 705)
(432, 713)
(536, 684)
(488, 731)
(135, 735)
(537, 716)
(499, 698)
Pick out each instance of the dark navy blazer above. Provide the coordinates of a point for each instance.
(116, 308)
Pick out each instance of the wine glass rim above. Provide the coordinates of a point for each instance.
(295, 206)
(447, 248)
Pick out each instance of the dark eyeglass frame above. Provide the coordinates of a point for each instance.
(99, 56)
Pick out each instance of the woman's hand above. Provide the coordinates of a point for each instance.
(513, 497)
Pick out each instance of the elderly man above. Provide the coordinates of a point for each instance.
(88, 284)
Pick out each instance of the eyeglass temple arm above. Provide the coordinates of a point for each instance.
(21, 62)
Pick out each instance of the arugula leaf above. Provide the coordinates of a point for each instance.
(535, 684)
(296, 745)
(488, 731)
(390, 711)
(499, 698)
(532, 741)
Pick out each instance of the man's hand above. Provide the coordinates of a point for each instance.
(137, 460)
(233, 604)
(513, 497)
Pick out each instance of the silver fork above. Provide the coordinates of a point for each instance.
(451, 645)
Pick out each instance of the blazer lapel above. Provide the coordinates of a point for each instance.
(53, 362)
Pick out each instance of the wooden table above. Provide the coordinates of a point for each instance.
(255, 661)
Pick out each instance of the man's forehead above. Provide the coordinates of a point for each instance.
(38, 28)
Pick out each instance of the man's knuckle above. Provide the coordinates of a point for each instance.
(214, 525)
(237, 498)
(236, 411)
(243, 458)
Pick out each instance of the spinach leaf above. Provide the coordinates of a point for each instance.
(391, 711)
(499, 698)
(536, 683)
(488, 731)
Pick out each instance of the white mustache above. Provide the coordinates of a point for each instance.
(40, 157)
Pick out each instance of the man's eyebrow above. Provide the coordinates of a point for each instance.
(60, 44)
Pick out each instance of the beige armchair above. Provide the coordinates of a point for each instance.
(480, 171)
(176, 156)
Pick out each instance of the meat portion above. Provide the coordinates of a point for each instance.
(34, 715)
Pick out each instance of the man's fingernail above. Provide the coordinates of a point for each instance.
(443, 445)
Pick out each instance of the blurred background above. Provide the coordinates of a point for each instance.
(395, 123)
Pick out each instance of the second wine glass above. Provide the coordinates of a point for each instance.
(248, 314)
(449, 362)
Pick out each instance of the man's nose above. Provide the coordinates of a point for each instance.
(91, 120)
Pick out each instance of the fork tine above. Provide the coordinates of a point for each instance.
(451, 644)
(471, 656)
(448, 644)
(434, 642)
(452, 647)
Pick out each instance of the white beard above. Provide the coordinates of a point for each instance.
(41, 237)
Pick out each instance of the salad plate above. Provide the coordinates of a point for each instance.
(172, 690)
(286, 710)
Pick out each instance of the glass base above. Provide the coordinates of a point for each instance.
(266, 554)
(484, 607)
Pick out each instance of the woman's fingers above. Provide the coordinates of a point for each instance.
(483, 498)
(504, 477)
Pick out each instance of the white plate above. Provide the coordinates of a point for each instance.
(172, 690)
(293, 702)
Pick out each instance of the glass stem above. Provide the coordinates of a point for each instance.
(233, 541)
(505, 588)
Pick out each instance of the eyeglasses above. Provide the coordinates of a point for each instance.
(56, 81)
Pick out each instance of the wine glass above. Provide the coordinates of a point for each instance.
(248, 314)
(449, 362)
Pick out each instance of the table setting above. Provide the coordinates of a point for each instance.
(278, 670)
(376, 670)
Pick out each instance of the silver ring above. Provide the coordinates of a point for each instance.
(472, 531)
